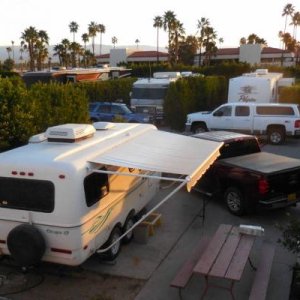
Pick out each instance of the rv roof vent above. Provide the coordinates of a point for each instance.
(38, 138)
(103, 125)
(262, 71)
(69, 133)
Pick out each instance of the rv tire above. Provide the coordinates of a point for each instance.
(113, 252)
(127, 225)
(26, 245)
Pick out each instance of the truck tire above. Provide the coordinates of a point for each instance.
(276, 135)
(235, 201)
(199, 128)
(113, 252)
(26, 245)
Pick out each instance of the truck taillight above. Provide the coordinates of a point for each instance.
(297, 124)
(263, 186)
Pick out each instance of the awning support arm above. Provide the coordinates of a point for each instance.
(146, 215)
(139, 175)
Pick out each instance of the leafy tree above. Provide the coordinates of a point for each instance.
(16, 122)
(187, 50)
(73, 29)
(8, 64)
(158, 24)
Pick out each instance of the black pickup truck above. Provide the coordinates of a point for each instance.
(248, 178)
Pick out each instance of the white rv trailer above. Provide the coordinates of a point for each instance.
(260, 86)
(75, 189)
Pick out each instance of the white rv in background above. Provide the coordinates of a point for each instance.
(259, 86)
(147, 95)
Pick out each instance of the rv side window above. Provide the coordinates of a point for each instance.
(27, 194)
(95, 187)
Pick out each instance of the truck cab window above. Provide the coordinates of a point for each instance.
(224, 111)
(95, 187)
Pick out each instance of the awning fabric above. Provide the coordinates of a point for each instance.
(164, 152)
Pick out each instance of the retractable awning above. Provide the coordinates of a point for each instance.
(163, 152)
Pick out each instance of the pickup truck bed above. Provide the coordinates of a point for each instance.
(247, 178)
(263, 162)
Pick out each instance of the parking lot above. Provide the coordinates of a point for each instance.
(153, 265)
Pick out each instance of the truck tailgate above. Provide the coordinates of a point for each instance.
(263, 162)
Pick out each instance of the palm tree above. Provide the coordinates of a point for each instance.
(287, 11)
(29, 37)
(73, 29)
(295, 22)
(158, 23)
(101, 29)
(85, 38)
(177, 35)
(202, 24)
(93, 29)
(9, 50)
(41, 49)
(13, 50)
(168, 20)
(114, 40)
(137, 41)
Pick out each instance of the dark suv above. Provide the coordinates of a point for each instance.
(111, 111)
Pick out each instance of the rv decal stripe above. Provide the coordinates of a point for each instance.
(99, 222)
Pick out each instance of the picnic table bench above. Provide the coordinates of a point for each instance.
(225, 256)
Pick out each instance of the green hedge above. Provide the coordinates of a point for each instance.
(109, 90)
(25, 112)
(290, 94)
(193, 94)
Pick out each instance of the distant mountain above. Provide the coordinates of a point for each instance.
(105, 49)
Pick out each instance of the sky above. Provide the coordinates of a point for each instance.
(133, 19)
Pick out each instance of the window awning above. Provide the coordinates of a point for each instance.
(163, 152)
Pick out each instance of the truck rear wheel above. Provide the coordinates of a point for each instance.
(235, 201)
(276, 135)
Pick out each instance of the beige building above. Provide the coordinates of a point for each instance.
(117, 56)
(254, 55)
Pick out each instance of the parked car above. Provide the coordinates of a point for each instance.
(111, 111)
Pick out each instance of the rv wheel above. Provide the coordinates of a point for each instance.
(113, 252)
(26, 245)
(128, 224)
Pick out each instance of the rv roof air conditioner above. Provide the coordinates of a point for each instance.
(69, 133)
(103, 125)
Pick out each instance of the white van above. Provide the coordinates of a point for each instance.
(77, 187)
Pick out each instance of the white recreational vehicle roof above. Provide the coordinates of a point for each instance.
(139, 146)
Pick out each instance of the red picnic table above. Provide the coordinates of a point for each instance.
(225, 257)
